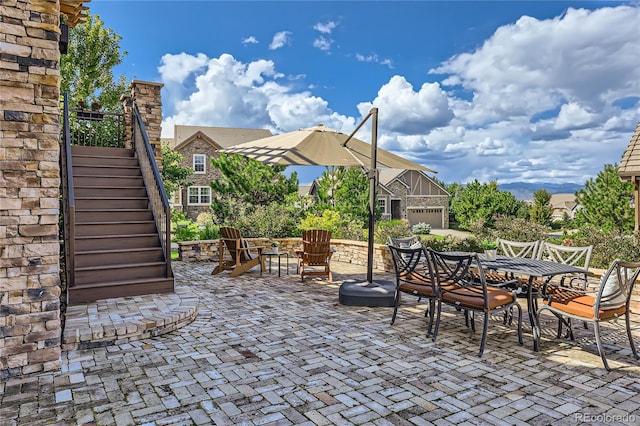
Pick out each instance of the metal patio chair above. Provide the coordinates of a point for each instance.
(609, 303)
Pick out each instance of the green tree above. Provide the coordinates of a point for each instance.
(246, 183)
(345, 190)
(87, 69)
(173, 174)
(606, 202)
(541, 210)
(482, 201)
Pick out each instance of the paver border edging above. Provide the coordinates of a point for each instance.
(106, 322)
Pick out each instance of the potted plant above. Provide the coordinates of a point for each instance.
(81, 112)
(490, 249)
(274, 246)
(96, 108)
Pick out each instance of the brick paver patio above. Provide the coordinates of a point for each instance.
(275, 351)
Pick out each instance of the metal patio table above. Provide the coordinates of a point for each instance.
(533, 268)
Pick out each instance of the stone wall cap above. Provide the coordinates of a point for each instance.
(149, 83)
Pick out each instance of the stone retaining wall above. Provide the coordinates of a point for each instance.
(346, 251)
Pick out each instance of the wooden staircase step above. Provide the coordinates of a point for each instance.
(90, 160)
(112, 202)
(90, 258)
(119, 215)
(124, 288)
(85, 229)
(106, 170)
(119, 272)
(101, 151)
(106, 242)
(110, 191)
(107, 180)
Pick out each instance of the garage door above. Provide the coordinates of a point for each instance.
(432, 216)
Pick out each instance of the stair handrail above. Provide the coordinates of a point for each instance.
(69, 204)
(162, 216)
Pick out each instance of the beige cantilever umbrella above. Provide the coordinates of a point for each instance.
(319, 146)
(322, 146)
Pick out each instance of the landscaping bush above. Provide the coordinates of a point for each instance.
(607, 246)
(345, 228)
(396, 228)
(184, 230)
(421, 228)
(516, 229)
(272, 221)
(451, 243)
(209, 232)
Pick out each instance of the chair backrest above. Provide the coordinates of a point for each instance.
(316, 246)
(616, 285)
(412, 265)
(527, 249)
(457, 274)
(233, 241)
(404, 242)
(580, 257)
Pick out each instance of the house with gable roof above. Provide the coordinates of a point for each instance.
(406, 194)
(414, 196)
(198, 144)
(563, 204)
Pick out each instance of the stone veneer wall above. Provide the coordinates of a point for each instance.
(30, 175)
(347, 251)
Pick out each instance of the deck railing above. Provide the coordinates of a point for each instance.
(97, 128)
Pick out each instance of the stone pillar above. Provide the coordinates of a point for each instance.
(30, 325)
(147, 97)
(127, 109)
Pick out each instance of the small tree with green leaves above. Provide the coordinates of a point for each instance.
(86, 71)
(482, 201)
(248, 183)
(174, 175)
(541, 211)
(606, 202)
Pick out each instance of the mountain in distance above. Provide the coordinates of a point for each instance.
(525, 190)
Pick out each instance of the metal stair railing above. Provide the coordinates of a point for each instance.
(155, 188)
(69, 205)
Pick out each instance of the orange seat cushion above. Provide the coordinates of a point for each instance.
(416, 288)
(580, 304)
(472, 298)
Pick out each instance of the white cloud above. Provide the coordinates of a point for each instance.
(374, 58)
(322, 43)
(229, 93)
(550, 88)
(176, 68)
(280, 39)
(407, 111)
(325, 28)
(250, 40)
(370, 58)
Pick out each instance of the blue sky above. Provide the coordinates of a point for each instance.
(541, 91)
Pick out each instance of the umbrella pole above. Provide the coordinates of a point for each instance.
(369, 293)
(373, 184)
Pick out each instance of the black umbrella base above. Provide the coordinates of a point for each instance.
(363, 293)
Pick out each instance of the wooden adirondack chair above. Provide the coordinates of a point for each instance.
(242, 258)
(316, 253)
